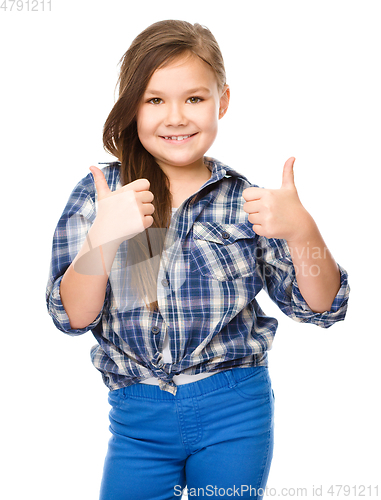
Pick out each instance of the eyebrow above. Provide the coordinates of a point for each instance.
(188, 92)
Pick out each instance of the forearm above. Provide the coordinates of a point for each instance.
(317, 273)
(82, 297)
(83, 286)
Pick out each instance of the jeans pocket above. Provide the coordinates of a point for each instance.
(255, 386)
(116, 398)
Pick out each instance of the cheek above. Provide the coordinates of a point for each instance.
(143, 126)
(210, 121)
(211, 117)
(139, 123)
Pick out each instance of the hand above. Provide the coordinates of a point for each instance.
(278, 213)
(122, 213)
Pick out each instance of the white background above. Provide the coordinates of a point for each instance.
(305, 82)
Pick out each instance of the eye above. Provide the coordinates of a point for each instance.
(156, 100)
(194, 100)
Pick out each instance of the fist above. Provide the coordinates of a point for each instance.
(122, 213)
(277, 213)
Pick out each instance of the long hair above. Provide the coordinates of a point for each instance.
(155, 47)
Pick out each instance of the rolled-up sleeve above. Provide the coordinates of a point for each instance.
(69, 236)
(280, 282)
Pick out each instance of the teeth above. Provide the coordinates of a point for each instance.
(178, 138)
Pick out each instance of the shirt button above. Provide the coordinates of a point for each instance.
(225, 235)
(155, 330)
(165, 283)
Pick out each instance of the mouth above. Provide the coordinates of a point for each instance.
(177, 138)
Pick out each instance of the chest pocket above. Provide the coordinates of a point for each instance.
(223, 251)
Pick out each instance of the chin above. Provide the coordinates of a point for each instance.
(180, 161)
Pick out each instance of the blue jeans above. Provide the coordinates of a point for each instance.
(215, 437)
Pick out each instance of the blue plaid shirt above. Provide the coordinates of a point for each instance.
(206, 288)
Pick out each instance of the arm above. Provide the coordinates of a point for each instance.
(121, 215)
(279, 214)
(316, 271)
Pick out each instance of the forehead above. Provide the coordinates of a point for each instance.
(186, 70)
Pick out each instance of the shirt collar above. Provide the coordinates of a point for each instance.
(220, 170)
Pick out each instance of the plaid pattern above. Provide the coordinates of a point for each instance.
(212, 267)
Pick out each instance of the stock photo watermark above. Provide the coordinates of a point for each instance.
(332, 491)
(25, 6)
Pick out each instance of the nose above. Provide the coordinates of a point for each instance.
(175, 116)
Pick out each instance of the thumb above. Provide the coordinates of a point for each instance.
(288, 174)
(100, 183)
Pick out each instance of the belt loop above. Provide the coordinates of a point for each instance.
(230, 378)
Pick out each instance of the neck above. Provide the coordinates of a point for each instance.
(184, 183)
(183, 175)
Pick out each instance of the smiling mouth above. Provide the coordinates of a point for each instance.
(177, 137)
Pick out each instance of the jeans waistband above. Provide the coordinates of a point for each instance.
(225, 378)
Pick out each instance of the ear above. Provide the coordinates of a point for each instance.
(224, 101)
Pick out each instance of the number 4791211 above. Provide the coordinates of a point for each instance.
(26, 5)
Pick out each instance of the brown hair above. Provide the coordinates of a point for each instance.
(153, 48)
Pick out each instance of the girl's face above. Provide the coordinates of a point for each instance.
(177, 120)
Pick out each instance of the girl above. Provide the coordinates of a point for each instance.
(170, 297)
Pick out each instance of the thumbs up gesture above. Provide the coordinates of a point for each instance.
(278, 213)
(122, 213)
